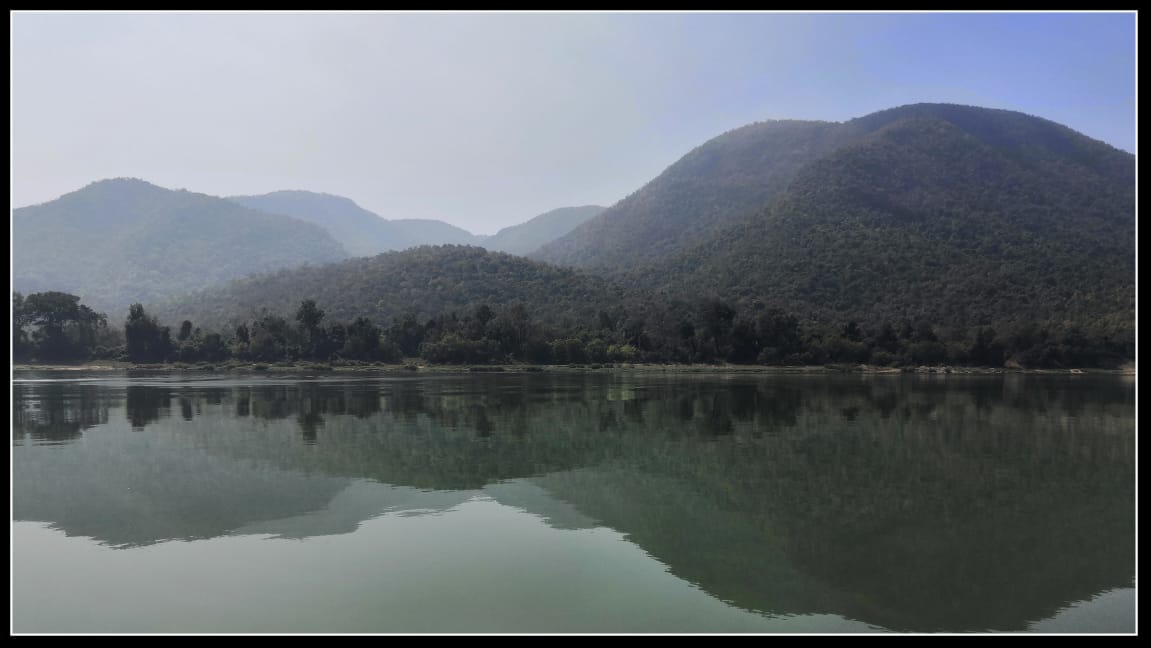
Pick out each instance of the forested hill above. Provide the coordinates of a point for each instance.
(424, 281)
(726, 178)
(120, 241)
(549, 226)
(361, 232)
(947, 214)
(734, 176)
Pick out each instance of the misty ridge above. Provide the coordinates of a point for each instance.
(922, 234)
(124, 240)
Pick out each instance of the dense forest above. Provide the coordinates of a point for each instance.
(424, 281)
(924, 221)
(728, 180)
(55, 327)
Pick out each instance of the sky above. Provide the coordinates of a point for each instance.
(485, 120)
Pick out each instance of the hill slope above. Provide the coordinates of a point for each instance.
(545, 228)
(120, 241)
(722, 180)
(423, 281)
(948, 214)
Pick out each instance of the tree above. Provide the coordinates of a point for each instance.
(887, 339)
(363, 340)
(271, 337)
(66, 328)
(407, 333)
(851, 332)
(21, 345)
(986, 350)
(309, 317)
(145, 339)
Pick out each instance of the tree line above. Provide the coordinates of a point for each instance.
(56, 327)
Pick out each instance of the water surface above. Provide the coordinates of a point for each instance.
(591, 502)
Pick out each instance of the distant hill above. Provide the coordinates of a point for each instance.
(361, 232)
(528, 237)
(950, 214)
(434, 232)
(120, 241)
(423, 281)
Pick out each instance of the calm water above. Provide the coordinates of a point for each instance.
(573, 503)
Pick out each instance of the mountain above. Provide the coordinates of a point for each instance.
(936, 219)
(708, 209)
(434, 232)
(361, 232)
(423, 281)
(121, 241)
(528, 237)
(951, 214)
(718, 182)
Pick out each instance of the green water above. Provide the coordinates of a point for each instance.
(591, 502)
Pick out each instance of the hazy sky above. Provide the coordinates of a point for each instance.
(485, 120)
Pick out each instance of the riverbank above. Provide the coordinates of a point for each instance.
(415, 366)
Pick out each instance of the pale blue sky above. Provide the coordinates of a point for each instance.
(485, 120)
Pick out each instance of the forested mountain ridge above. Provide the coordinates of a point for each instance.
(527, 237)
(946, 214)
(733, 177)
(123, 240)
(425, 281)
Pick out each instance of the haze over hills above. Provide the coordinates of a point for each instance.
(422, 231)
(365, 233)
(120, 241)
(528, 237)
(361, 232)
